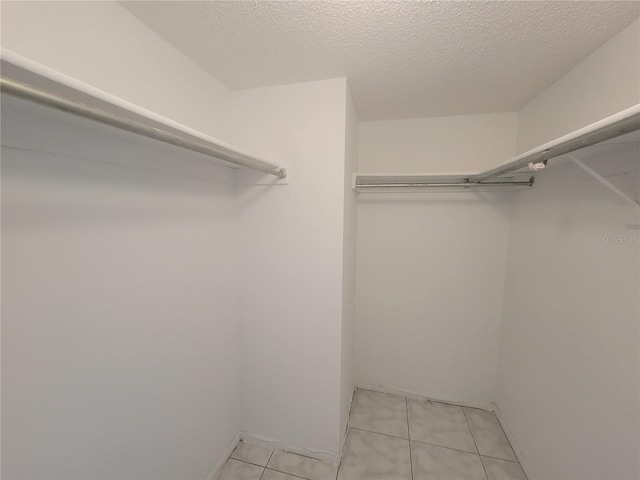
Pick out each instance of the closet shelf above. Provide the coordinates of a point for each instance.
(508, 173)
(116, 112)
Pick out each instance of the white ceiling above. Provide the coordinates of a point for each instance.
(403, 59)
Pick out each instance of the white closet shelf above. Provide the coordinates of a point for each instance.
(508, 173)
(34, 82)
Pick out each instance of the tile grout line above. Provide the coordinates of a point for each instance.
(378, 433)
(244, 461)
(474, 442)
(485, 468)
(270, 457)
(448, 448)
(502, 459)
(280, 471)
(287, 473)
(406, 405)
(434, 444)
(262, 474)
(248, 463)
(265, 467)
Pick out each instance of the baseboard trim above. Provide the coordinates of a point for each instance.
(227, 453)
(436, 398)
(289, 447)
(347, 423)
(514, 445)
(271, 443)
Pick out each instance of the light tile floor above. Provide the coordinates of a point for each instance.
(392, 437)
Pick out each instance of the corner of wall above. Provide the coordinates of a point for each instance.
(107, 47)
(290, 233)
(604, 83)
(350, 215)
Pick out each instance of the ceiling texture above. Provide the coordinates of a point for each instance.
(403, 59)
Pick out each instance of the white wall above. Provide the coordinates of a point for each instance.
(606, 82)
(349, 265)
(119, 319)
(102, 44)
(463, 143)
(120, 329)
(291, 245)
(430, 268)
(568, 383)
(568, 386)
(287, 284)
(430, 284)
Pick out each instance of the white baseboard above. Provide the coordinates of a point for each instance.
(348, 421)
(227, 453)
(514, 445)
(271, 443)
(437, 398)
(289, 447)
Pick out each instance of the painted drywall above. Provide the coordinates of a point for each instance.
(120, 338)
(290, 236)
(347, 380)
(606, 82)
(430, 279)
(104, 45)
(568, 383)
(426, 291)
(291, 245)
(464, 143)
(568, 386)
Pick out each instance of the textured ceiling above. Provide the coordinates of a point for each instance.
(402, 58)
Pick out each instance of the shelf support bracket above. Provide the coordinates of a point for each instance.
(626, 198)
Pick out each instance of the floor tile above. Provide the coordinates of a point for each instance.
(439, 424)
(275, 475)
(237, 470)
(438, 463)
(305, 467)
(372, 456)
(379, 412)
(255, 454)
(503, 470)
(488, 434)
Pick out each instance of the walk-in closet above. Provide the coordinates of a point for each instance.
(320, 240)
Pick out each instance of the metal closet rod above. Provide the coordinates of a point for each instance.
(219, 152)
(621, 123)
(527, 183)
